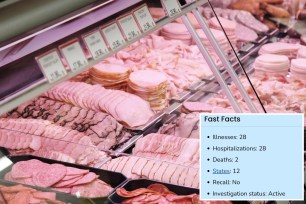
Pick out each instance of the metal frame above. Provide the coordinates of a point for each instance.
(211, 64)
(225, 61)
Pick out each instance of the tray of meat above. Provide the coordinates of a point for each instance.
(12, 192)
(143, 190)
(81, 181)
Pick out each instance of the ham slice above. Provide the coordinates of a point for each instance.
(55, 142)
(168, 148)
(22, 194)
(138, 113)
(52, 175)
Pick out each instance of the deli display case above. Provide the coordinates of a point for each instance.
(100, 99)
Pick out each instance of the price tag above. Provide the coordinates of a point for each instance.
(172, 7)
(113, 36)
(74, 55)
(129, 27)
(51, 65)
(96, 44)
(144, 18)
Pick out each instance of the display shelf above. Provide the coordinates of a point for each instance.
(42, 85)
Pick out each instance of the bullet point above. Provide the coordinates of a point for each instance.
(208, 148)
(208, 193)
(207, 170)
(207, 181)
(208, 159)
(207, 136)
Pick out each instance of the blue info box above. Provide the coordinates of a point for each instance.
(252, 157)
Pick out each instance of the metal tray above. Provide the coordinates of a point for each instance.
(114, 179)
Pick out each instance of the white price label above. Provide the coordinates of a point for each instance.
(51, 66)
(74, 55)
(129, 27)
(96, 44)
(172, 7)
(113, 36)
(144, 18)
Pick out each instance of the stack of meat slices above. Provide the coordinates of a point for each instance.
(176, 31)
(192, 19)
(272, 64)
(20, 194)
(220, 37)
(59, 177)
(280, 48)
(298, 69)
(151, 86)
(229, 27)
(111, 76)
(301, 53)
(113, 102)
(157, 12)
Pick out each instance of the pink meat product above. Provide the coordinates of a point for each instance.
(186, 125)
(79, 94)
(149, 169)
(52, 175)
(169, 148)
(245, 34)
(104, 131)
(48, 140)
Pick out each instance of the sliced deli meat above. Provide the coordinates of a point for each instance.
(52, 175)
(184, 151)
(20, 194)
(44, 139)
(150, 85)
(138, 167)
(186, 125)
(104, 131)
(81, 94)
(159, 194)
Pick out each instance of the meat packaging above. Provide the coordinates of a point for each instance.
(111, 76)
(97, 98)
(150, 85)
(158, 194)
(186, 126)
(104, 131)
(136, 167)
(179, 150)
(272, 64)
(18, 194)
(42, 138)
(280, 48)
(59, 177)
(298, 69)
